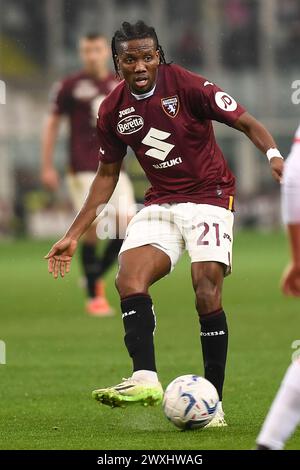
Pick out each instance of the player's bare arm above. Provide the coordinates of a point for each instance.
(60, 256)
(262, 139)
(49, 174)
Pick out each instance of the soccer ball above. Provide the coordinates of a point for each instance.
(190, 402)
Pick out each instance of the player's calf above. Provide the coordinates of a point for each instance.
(207, 282)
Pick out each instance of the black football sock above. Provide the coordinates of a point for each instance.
(214, 341)
(139, 324)
(90, 266)
(109, 256)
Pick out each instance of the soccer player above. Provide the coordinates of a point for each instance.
(78, 97)
(284, 415)
(164, 113)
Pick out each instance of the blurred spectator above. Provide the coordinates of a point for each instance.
(237, 13)
(188, 49)
(288, 15)
(288, 11)
(240, 45)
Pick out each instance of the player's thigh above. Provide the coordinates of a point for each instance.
(209, 236)
(140, 267)
(155, 226)
(207, 277)
(152, 247)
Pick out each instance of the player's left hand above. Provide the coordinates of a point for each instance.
(277, 165)
(290, 282)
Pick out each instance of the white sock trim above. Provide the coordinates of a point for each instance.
(147, 375)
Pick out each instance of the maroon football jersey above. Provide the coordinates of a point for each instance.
(172, 136)
(79, 97)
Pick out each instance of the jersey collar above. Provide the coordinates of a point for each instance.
(143, 96)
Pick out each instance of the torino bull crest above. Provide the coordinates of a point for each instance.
(170, 105)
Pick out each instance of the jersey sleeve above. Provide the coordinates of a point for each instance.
(111, 147)
(208, 101)
(60, 98)
(291, 184)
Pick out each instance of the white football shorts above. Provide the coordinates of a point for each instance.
(204, 230)
(122, 199)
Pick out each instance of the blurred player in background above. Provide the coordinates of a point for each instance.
(189, 206)
(284, 415)
(78, 97)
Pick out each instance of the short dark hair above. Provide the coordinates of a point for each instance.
(90, 36)
(138, 30)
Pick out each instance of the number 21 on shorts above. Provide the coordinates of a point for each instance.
(206, 228)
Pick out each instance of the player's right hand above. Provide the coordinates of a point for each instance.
(277, 165)
(50, 178)
(60, 256)
(290, 282)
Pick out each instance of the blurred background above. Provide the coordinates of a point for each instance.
(248, 47)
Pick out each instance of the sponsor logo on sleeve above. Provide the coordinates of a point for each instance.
(130, 124)
(225, 101)
(170, 105)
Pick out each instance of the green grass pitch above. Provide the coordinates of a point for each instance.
(56, 355)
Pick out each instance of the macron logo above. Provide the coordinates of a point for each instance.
(126, 314)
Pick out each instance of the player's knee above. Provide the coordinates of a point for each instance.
(208, 296)
(129, 284)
